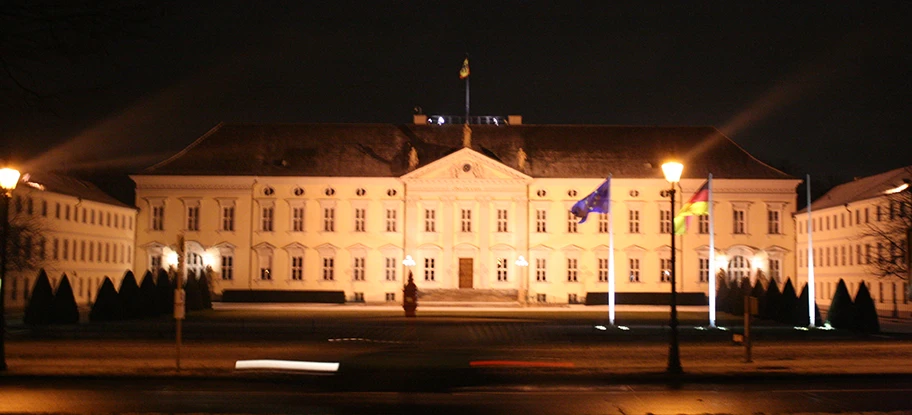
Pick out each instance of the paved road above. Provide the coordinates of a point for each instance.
(270, 397)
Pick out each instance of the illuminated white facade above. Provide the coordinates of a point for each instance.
(84, 234)
(842, 230)
(464, 215)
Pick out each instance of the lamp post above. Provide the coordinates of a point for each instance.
(523, 281)
(9, 178)
(672, 171)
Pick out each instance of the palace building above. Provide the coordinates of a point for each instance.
(295, 211)
(73, 228)
(859, 234)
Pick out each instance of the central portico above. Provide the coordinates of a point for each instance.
(466, 222)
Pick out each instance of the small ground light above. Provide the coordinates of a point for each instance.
(625, 328)
(603, 328)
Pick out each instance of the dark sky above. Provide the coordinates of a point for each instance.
(820, 87)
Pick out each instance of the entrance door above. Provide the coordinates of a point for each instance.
(465, 272)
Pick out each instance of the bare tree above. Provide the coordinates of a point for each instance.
(888, 236)
(27, 244)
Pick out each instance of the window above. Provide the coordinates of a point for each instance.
(227, 221)
(57, 210)
(541, 273)
(193, 213)
(704, 269)
(358, 269)
(329, 269)
(227, 267)
(430, 220)
(603, 269)
(108, 216)
(92, 217)
(858, 254)
(466, 220)
(842, 219)
(634, 267)
(739, 268)
(867, 218)
(773, 222)
(66, 216)
(44, 208)
(603, 223)
(360, 214)
(703, 224)
(297, 268)
(573, 298)
(842, 255)
(665, 221)
(391, 220)
(390, 269)
(266, 266)
(501, 269)
(775, 270)
(91, 251)
(879, 214)
(571, 222)
(82, 250)
(867, 254)
(541, 298)
(158, 218)
(429, 269)
(541, 221)
(739, 226)
(66, 249)
(329, 219)
(633, 221)
(390, 297)
(297, 219)
(572, 270)
(501, 220)
(665, 269)
(267, 217)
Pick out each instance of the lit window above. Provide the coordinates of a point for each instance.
(634, 268)
(665, 269)
(501, 269)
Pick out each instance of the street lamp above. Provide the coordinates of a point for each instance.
(672, 171)
(523, 283)
(9, 178)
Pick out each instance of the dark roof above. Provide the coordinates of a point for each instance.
(862, 189)
(382, 150)
(66, 185)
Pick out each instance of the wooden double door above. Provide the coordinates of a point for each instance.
(466, 276)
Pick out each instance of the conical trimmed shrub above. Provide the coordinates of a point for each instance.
(841, 314)
(866, 320)
(40, 305)
(107, 305)
(194, 299)
(129, 297)
(722, 296)
(787, 303)
(205, 290)
(800, 316)
(773, 300)
(760, 293)
(64, 310)
(164, 293)
(147, 295)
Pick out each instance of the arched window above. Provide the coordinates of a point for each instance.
(738, 268)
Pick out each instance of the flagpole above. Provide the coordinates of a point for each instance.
(711, 273)
(467, 101)
(812, 307)
(610, 259)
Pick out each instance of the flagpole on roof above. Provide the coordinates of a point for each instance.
(464, 74)
(711, 273)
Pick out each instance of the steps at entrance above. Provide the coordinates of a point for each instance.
(466, 295)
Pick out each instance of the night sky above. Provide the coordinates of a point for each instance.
(813, 87)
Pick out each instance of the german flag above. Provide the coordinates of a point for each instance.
(697, 206)
(464, 71)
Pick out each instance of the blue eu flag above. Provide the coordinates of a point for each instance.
(598, 201)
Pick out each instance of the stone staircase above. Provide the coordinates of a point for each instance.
(466, 296)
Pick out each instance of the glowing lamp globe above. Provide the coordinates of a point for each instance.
(672, 171)
(9, 178)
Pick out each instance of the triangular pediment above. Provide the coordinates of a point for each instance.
(466, 164)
